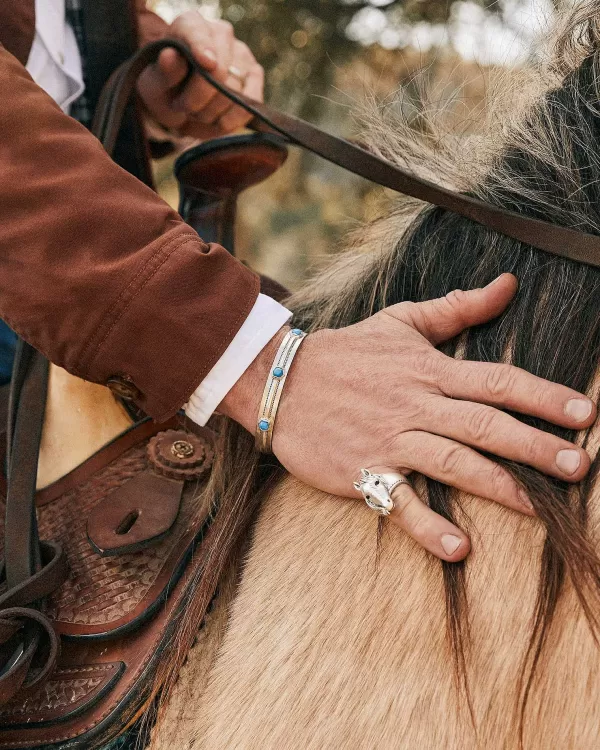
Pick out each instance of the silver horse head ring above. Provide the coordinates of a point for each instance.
(377, 489)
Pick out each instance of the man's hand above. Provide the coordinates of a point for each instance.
(198, 110)
(378, 395)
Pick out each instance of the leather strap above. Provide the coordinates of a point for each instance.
(107, 44)
(562, 241)
(32, 569)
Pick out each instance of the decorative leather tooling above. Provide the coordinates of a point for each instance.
(180, 455)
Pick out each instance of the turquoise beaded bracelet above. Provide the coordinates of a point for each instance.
(274, 387)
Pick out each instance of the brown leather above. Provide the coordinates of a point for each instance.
(137, 514)
(212, 175)
(28, 644)
(119, 612)
(562, 241)
(129, 665)
(137, 434)
(97, 682)
(109, 594)
(118, 700)
(144, 509)
(147, 495)
(95, 596)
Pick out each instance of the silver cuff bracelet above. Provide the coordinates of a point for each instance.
(274, 387)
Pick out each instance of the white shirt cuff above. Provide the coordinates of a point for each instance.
(265, 319)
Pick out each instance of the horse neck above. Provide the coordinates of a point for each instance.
(363, 659)
(80, 418)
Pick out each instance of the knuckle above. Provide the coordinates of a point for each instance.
(400, 451)
(188, 18)
(542, 398)
(500, 380)
(243, 50)
(403, 501)
(440, 368)
(183, 18)
(226, 27)
(479, 425)
(403, 310)
(498, 481)
(456, 300)
(415, 314)
(534, 450)
(533, 447)
(450, 459)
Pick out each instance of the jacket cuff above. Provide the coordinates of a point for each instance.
(263, 322)
(171, 325)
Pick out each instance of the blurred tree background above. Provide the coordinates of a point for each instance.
(321, 56)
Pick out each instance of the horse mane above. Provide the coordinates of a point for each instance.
(538, 155)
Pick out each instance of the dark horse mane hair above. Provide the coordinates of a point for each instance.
(545, 163)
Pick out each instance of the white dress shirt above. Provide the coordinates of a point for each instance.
(54, 61)
(55, 64)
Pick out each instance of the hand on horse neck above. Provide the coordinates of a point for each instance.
(80, 418)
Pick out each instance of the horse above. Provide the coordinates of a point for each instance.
(327, 634)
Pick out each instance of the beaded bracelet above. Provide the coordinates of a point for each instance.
(274, 387)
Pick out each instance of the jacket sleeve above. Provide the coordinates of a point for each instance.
(96, 271)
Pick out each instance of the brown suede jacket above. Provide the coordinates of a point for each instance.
(96, 271)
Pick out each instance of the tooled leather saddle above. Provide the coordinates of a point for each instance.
(98, 566)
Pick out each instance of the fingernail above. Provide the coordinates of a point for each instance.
(495, 281)
(450, 543)
(568, 461)
(210, 54)
(578, 409)
(525, 500)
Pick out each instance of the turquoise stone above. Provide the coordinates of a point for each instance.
(297, 332)
(263, 425)
(278, 372)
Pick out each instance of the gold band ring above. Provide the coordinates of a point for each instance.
(236, 73)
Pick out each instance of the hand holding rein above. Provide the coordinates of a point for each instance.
(552, 238)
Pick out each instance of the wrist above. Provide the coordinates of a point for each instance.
(242, 402)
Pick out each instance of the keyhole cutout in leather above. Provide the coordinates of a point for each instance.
(135, 515)
(126, 524)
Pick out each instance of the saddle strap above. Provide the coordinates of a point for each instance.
(31, 569)
(552, 238)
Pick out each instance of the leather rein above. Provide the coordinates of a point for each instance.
(552, 238)
(32, 568)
